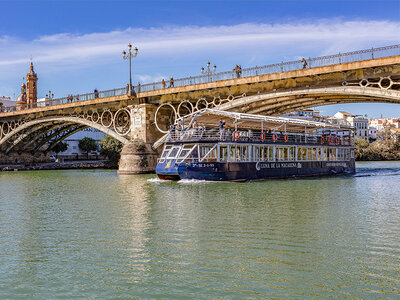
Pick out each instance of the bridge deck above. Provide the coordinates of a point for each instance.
(168, 94)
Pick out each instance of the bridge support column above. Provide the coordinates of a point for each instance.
(138, 156)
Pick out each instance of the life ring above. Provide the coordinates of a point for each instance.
(274, 137)
(236, 135)
(262, 136)
(330, 140)
(286, 138)
(322, 140)
(337, 140)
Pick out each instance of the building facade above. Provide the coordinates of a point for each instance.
(74, 152)
(358, 122)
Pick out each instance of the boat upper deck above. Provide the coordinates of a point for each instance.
(211, 125)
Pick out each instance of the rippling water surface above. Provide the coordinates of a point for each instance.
(94, 234)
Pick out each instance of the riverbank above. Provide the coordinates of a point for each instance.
(387, 148)
(57, 166)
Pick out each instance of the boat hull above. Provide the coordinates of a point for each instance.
(244, 171)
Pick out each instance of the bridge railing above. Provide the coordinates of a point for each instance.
(69, 99)
(328, 60)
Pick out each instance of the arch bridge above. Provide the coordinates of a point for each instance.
(139, 120)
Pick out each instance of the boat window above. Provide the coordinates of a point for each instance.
(174, 152)
(166, 150)
(332, 154)
(347, 154)
(258, 155)
(340, 154)
(186, 150)
(232, 153)
(282, 153)
(291, 153)
(302, 153)
(324, 154)
(262, 153)
(314, 154)
(245, 153)
(270, 153)
(165, 153)
(208, 152)
(223, 153)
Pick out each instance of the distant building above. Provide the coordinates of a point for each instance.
(28, 96)
(305, 114)
(73, 151)
(360, 123)
(385, 123)
(7, 102)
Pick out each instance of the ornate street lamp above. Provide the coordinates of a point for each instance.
(209, 72)
(50, 97)
(130, 56)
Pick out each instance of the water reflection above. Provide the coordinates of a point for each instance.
(89, 233)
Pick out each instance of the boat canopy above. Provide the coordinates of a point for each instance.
(210, 118)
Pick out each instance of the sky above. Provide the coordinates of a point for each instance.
(76, 45)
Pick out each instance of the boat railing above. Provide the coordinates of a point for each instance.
(207, 134)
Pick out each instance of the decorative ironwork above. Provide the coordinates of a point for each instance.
(384, 83)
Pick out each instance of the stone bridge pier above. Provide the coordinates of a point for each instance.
(137, 155)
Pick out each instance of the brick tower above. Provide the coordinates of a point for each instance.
(31, 87)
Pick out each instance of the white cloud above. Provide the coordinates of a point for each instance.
(329, 36)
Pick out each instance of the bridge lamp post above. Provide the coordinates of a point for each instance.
(130, 56)
(50, 96)
(209, 72)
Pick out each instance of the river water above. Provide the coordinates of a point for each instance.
(91, 234)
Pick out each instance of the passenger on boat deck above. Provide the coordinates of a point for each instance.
(172, 131)
(195, 128)
(221, 128)
(178, 129)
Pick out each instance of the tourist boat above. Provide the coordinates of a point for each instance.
(227, 146)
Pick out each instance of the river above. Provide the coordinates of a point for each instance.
(91, 234)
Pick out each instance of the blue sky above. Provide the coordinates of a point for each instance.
(76, 45)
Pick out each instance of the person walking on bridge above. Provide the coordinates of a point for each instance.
(304, 61)
(171, 82)
(163, 83)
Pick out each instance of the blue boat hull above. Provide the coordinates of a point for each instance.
(243, 171)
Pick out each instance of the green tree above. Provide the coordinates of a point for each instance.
(60, 147)
(87, 144)
(111, 148)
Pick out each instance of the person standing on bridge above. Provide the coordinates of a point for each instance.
(96, 93)
(171, 82)
(163, 83)
(303, 60)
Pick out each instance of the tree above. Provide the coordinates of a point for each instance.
(60, 147)
(111, 148)
(87, 144)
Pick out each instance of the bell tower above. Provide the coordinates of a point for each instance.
(31, 87)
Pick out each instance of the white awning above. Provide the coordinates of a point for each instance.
(211, 117)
